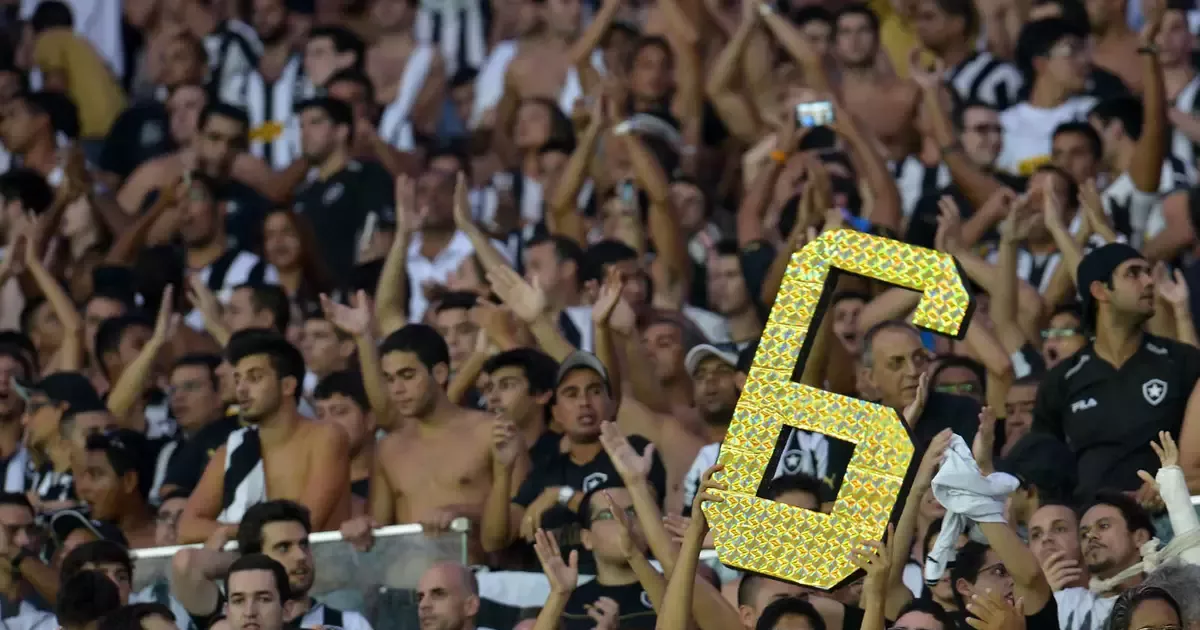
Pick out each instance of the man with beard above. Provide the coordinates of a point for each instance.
(447, 598)
(278, 530)
(1112, 530)
(207, 252)
(280, 455)
(345, 191)
(1109, 401)
(716, 391)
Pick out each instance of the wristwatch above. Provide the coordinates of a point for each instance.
(565, 494)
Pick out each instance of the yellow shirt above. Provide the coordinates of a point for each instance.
(89, 82)
(896, 37)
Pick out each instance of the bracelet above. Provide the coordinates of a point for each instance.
(779, 157)
(951, 148)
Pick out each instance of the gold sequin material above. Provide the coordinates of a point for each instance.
(790, 543)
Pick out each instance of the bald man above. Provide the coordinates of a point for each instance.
(447, 597)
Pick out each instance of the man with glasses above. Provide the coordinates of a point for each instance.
(196, 403)
(892, 362)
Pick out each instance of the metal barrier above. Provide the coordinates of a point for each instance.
(379, 583)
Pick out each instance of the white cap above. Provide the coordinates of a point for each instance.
(702, 352)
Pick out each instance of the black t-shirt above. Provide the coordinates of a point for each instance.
(1044, 619)
(636, 613)
(546, 448)
(245, 210)
(1108, 416)
(596, 474)
(190, 460)
(140, 134)
(338, 208)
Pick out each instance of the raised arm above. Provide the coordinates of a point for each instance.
(355, 320)
(732, 104)
(563, 577)
(887, 211)
(793, 42)
(1173, 289)
(489, 256)
(127, 392)
(195, 572)
(677, 605)
(72, 349)
(605, 337)
(669, 243)
(391, 311)
(1151, 147)
(875, 558)
(203, 299)
(561, 202)
(528, 303)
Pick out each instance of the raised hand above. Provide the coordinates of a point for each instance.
(985, 440)
(167, 321)
(1171, 286)
(1168, 455)
(203, 298)
(526, 301)
(708, 491)
(874, 557)
(632, 466)
(563, 576)
(949, 230)
(506, 442)
(915, 408)
(625, 539)
(609, 295)
(354, 319)
(933, 458)
(926, 78)
(606, 613)
(407, 221)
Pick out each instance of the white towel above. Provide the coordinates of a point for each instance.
(245, 477)
(968, 497)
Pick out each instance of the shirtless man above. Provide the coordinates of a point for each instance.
(886, 104)
(389, 59)
(435, 465)
(304, 461)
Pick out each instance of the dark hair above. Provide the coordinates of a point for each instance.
(347, 383)
(565, 250)
(1072, 195)
(456, 300)
(285, 359)
(540, 369)
(454, 150)
(968, 562)
(812, 13)
(85, 597)
(250, 530)
(112, 330)
(51, 14)
(23, 356)
(967, 363)
(260, 562)
(560, 125)
(270, 297)
(649, 41)
(962, 107)
(225, 110)
(58, 108)
(130, 617)
(931, 533)
(210, 362)
(603, 254)
(794, 482)
(1125, 109)
(1135, 517)
(1127, 602)
(338, 111)
(931, 608)
(96, 552)
(343, 40)
(420, 339)
(842, 296)
(964, 9)
(857, 8)
(1095, 144)
(28, 187)
(355, 76)
(1038, 38)
(464, 76)
(316, 278)
(786, 606)
(126, 451)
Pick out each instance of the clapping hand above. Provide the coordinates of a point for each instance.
(563, 576)
(632, 466)
(526, 301)
(354, 319)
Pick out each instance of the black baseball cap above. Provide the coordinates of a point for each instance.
(1099, 265)
(72, 388)
(65, 522)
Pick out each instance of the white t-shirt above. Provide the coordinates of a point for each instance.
(1029, 131)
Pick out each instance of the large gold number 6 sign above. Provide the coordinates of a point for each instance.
(795, 544)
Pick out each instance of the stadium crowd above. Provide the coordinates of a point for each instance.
(278, 267)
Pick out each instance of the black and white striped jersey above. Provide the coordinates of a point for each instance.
(982, 77)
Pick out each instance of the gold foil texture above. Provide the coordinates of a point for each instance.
(795, 544)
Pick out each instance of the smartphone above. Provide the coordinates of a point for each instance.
(815, 114)
(628, 192)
